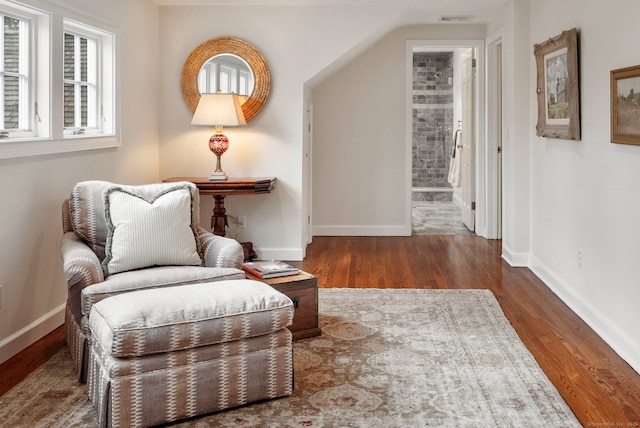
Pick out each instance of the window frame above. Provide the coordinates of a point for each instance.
(49, 23)
(24, 74)
(94, 81)
(226, 77)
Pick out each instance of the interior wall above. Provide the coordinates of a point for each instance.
(359, 143)
(513, 22)
(32, 188)
(584, 194)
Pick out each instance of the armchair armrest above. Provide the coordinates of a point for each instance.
(80, 264)
(81, 269)
(220, 251)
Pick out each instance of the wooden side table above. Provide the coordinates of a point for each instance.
(221, 188)
(302, 289)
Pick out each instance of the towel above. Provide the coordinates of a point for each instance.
(455, 138)
(454, 164)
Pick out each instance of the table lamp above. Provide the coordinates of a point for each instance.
(218, 110)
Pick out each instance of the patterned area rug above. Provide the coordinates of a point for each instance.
(386, 358)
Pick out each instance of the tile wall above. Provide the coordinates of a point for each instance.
(432, 122)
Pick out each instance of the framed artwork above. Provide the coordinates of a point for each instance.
(625, 105)
(558, 87)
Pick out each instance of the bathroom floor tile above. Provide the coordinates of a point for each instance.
(437, 218)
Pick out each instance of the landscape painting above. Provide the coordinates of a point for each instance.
(558, 87)
(557, 79)
(625, 105)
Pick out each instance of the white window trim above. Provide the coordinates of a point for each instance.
(26, 69)
(23, 75)
(101, 110)
(48, 42)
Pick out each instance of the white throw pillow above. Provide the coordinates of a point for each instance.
(149, 232)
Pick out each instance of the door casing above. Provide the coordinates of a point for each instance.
(467, 202)
(483, 168)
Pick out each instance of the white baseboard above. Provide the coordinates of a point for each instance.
(362, 230)
(31, 333)
(619, 341)
(514, 259)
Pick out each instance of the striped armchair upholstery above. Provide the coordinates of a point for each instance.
(83, 243)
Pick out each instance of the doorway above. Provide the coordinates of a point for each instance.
(443, 106)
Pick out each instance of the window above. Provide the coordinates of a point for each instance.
(79, 82)
(14, 77)
(226, 73)
(243, 83)
(88, 89)
(57, 81)
(208, 78)
(225, 79)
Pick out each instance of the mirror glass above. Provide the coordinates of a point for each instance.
(227, 73)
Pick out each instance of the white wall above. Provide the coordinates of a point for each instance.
(359, 142)
(32, 189)
(513, 24)
(585, 195)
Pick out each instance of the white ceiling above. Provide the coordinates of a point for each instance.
(482, 10)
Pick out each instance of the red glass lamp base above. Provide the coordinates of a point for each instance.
(218, 144)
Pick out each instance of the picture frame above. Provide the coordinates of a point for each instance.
(558, 87)
(625, 105)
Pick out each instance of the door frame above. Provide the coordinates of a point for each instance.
(468, 73)
(495, 133)
(482, 165)
(307, 176)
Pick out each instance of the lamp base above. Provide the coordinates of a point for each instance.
(218, 175)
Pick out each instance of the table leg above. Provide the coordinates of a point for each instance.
(219, 218)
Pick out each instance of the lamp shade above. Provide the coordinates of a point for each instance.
(219, 110)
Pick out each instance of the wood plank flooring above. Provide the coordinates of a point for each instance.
(15, 369)
(601, 389)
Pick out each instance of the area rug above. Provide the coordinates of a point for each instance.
(386, 358)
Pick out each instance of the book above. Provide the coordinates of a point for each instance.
(218, 175)
(264, 269)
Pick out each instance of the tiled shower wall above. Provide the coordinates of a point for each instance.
(432, 122)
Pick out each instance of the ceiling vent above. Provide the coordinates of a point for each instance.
(455, 18)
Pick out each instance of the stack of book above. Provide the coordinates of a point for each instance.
(265, 269)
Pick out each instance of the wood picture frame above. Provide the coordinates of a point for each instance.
(558, 87)
(625, 105)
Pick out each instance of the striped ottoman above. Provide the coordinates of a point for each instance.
(165, 354)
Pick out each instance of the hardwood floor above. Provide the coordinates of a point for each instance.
(15, 369)
(601, 389)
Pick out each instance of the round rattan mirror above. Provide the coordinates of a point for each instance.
(204, 52)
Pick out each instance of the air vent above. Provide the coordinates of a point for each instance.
(455, 18)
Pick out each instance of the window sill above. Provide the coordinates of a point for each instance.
(18, 148)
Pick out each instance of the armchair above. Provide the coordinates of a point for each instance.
(100, 262)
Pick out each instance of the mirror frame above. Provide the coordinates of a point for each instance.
(227, 45)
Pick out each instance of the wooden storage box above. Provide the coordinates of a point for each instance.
(302, 289)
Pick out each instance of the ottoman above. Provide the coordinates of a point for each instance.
(160, 355)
